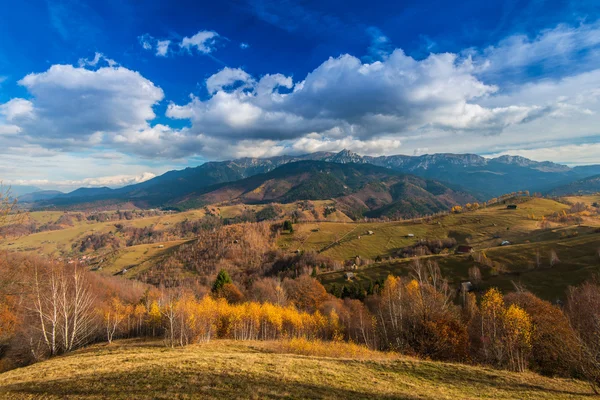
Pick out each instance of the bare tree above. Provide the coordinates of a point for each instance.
(475, 275)
(7, 204)
(553, 258)
(63, 305)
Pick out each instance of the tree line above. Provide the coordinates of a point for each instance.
(48, 308)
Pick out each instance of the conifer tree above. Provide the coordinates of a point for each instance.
(223, 278)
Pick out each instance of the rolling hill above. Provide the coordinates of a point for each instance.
(225, 369)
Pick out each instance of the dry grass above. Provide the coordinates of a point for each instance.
(317, 348)
(257, 370)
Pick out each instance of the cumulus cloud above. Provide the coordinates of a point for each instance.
(228, 77)
(203, 41)
(360, 100)
(16, 109)
(78, 103)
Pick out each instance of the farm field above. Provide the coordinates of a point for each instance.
(136, 259)
(59, 242)
(343, 241)
(225, 369)
(579, 260)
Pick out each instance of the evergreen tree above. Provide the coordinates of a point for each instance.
(223, 278)
(287, 226)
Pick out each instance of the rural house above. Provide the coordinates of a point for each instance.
(464, 249)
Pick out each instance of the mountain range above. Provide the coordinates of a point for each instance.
(480, 177)
(589, 185)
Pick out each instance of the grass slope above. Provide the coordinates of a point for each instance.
(253, 370)
(341, 240)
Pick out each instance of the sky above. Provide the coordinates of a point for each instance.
(114, 92)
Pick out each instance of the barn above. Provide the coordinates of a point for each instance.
(464, 249)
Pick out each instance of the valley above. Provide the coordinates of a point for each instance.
(352, 269)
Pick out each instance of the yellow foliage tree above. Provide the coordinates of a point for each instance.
(518, 330)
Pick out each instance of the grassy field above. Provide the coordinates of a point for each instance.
(588, 199)
(577, 247)
(256, 370)
(138, 258)
(579, 260)
(59, 242)
(343, 241)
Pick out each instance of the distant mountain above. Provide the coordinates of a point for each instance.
(359, 189)
(39, 195)
(89, 192)
(482, 177)
(589, 185)
(19, 190)
(587, 170)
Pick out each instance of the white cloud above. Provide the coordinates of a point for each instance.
(203, 41)
(109, 181)
(381, 45)
(363, 100)
(580, 154)
(16, 108)
(77, 103)
(226, 78)
(9, 129)
(98, 57)
(375, 147)
(146, 41)
(559, 46)
(244, 45)
(162, 47)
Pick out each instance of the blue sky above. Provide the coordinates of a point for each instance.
(114, 92)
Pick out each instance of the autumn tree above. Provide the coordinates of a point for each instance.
(583, 310)
(518, 330)
(268, 290)
(305, 292)
(113, 316)
(231, 293)
(553, 341)
(492, 315)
